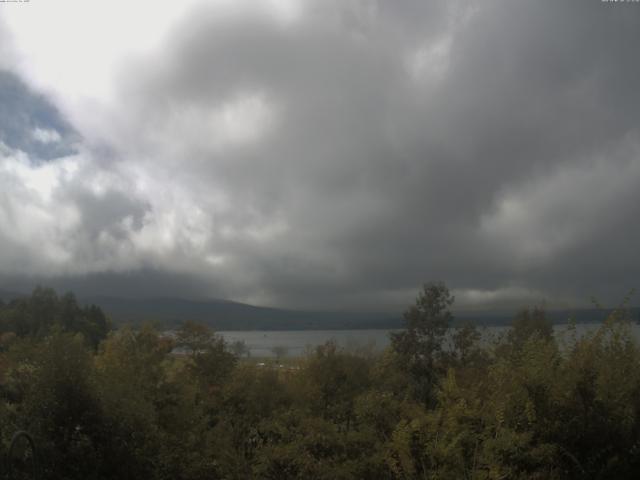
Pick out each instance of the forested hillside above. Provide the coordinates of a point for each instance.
(44, 312)
(436, 404)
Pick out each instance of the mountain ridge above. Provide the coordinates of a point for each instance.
(222, 314)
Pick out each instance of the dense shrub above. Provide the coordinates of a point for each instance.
(439, 403)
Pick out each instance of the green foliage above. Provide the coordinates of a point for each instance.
(208, 359)
(440, 403)
(530, 321)
(420, 345)
(53, 394)
(331, 380)
(43, 311)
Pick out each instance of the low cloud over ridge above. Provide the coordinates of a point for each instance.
(334, 155)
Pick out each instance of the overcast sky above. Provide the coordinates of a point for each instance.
(322, 154)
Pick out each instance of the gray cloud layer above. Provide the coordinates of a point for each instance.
(341, 159)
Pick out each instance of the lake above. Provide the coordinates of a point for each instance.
(298, 342)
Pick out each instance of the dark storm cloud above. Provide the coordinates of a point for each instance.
(343, 158)
(144, 282)
(385, 179)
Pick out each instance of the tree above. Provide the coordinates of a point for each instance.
(209, 359)
(419, 346)
(240, 348)
(38, 315)
(528, 322)
(279, 351)
(60, 402)
(132, 387)
(333, 379)
(465, 344)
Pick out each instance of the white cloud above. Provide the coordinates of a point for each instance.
(430, 62)
(30, 219)
(45, 135)
(242, 120)
(504, 297)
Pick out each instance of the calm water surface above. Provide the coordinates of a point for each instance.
(298, 342)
